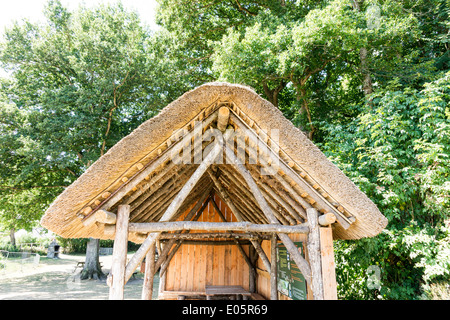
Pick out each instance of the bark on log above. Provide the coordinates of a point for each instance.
(116, 279)
(313, 245)
(147, 288)
(216, 226)
(273, 269)
(222, 118)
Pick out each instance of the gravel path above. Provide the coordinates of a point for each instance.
(55, 279)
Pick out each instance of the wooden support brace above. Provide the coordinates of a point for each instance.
(289, 244)
(172, 210)
(226, 198)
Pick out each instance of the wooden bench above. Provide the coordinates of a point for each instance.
(232, 292)
(257, 296)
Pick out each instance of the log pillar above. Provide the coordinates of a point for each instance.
(147, 289)
(313, 245)
(273, 268)
(328, 264)
(116, 278)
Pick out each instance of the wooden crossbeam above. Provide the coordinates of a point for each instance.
(212, 235)
(217, 226)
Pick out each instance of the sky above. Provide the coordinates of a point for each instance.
(11, 10)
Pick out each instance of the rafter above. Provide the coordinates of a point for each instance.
(299, 181)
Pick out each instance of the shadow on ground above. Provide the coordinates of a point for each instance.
(50, 284)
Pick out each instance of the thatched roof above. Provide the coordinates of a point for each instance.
(305, 179)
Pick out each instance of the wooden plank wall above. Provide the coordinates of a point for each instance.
(195, 266)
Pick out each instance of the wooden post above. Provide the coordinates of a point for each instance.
(328, 264)
(116, 279)
(313, 245)
(273, 269)
(147, 289)
(253, 274)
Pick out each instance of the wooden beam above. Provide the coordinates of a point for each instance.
(321, 201)
(106, 217)
(173, 207)
(217, 226)
(212, 235)
(327, 219)
(128, 186)
(212, 243)
(289, 244)
(222, 118)
(116, 278)
(313, 245)
(226, 198)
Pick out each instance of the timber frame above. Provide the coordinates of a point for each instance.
(223, 159)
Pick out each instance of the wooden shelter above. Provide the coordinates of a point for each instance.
(227, 189)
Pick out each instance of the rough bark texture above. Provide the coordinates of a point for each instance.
(92, 269)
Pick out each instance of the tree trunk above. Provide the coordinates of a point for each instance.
(12, 237)
(92, 269)
(272, 94)
(363, 52)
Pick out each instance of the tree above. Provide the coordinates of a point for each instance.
(79, 83)
(398, 153)
(20, 205)
(329, 44)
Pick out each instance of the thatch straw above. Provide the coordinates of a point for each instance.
(61, 217)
